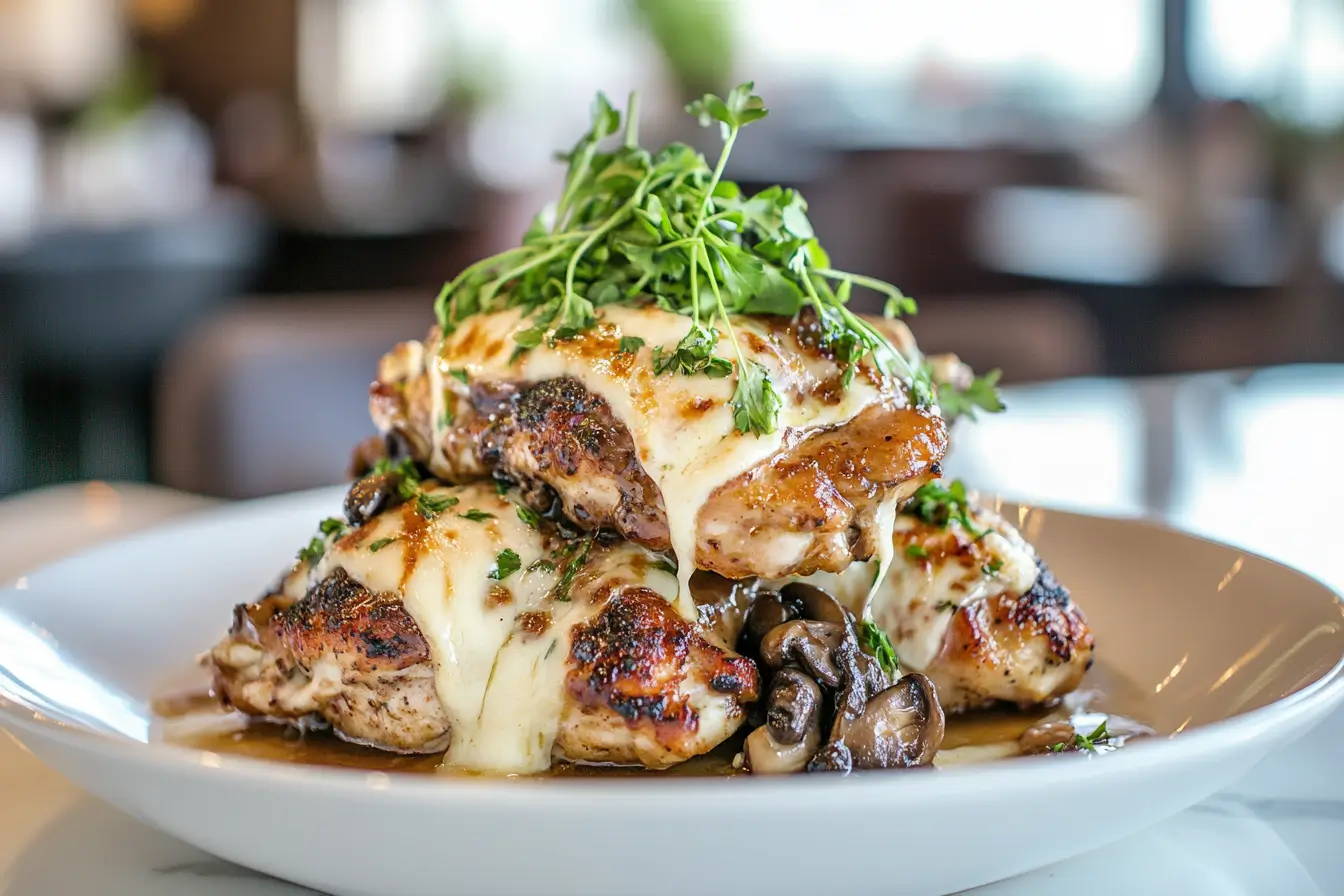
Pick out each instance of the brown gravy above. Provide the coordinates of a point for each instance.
(195, 719)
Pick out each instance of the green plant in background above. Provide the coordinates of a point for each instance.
(122, 99)
(696, 38)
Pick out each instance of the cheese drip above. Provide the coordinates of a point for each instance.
(914, 599)
(682, 426)
(499, 674)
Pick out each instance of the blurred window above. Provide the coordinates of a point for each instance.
(1096, 61)
(1286, 55)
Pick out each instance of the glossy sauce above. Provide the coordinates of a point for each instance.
(195, 720)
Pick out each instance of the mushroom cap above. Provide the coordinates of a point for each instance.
(793, 707)
(815, 603)
(810, 644)
(769, 610)
(899, 728)
(370, 496)
(767, 756)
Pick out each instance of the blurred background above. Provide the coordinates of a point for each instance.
(215, 215)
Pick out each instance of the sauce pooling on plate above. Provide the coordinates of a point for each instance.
(195, 720)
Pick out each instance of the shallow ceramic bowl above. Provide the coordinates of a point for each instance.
(1236, 655)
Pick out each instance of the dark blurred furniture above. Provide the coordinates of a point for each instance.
(271, 394)
(87, 314)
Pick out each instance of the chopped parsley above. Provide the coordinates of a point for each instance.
(575, 555)
(632, 225)
(916, 551)
(1086, 742)
(502, 487)
(507, 563)
(313, 551)
(992, 567)
(331, 526)
(529, 516)
(542, 565)
(982, 393)
(476, 516)
(665, 565)
(381, 543)
(878, 645)
(459, 374)
(430, 506)
(630, 345)
(939, 505)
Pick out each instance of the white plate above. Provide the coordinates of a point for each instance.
(1239, 654)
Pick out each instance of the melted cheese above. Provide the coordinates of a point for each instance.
(682, 426)
(500, 681)
(916, 598)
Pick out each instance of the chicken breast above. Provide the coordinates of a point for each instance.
(983, 617)
(588, 424)
(454, 623)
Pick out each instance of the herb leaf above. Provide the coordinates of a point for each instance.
(430, 506)
(878, 645)
(529, 516)
(939, 505)
(381, 543)
(982, 393)
(575, 555)
(630, 345)
(916, 551)
(1085, 742)
(313, 551)
(476, 516)
(507, 563)
(633, 226)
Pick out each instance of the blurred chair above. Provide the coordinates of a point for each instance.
(1031, 336)
(271, 395)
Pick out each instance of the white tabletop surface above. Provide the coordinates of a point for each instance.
(1249, 459)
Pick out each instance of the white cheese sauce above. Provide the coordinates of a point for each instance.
(499, 645)
(933, 571)
(682, 426)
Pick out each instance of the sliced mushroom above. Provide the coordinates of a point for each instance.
(767, 756)
(816, 604)
(832, 758)
(1048, 737)
(851, 699)
(808, 643)
(794, 706)
(874, 676)
(370, 496)
(768, 611)
(900, 727)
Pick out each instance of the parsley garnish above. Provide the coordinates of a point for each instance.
(502, 487)
(507, 563)
(459, 374)
(542, 565)
(878, 645)
(939, 506)
(992, 567)
(1088, 742)
(630, 345)
(313, 551)
(575, 555)
(381, 543)
(981, 393)
(430, 506)
(916, 551)
(476, 516)
(666, 566)
(632, 225)
(529, 516)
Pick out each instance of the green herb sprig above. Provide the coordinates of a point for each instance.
(1085, 742)
(982, 394)
(939, 505)
(633, 226)
(876, 643)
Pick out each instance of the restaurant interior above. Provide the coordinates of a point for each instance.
(216, 215)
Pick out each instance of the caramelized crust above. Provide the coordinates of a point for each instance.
(812, 506)
(1027, 649)
(640, 661)
(644, 686)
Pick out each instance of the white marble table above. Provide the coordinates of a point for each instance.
(1249, 459)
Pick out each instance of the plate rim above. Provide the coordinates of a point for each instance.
(1294, 710)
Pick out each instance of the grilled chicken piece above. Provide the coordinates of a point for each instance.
(657, 458)
(984, 618)
(412, 645)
